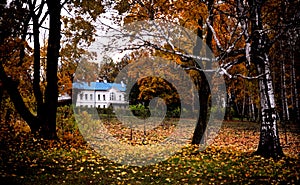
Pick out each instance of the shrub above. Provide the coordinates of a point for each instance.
(65, 120)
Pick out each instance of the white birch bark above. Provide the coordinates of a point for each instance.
(269, 144)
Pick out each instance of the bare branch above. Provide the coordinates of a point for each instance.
(222, 71)
(40, 8)
(231, 64)
(44, 17)
(249, 77)
(199, 69)
(214, 35)
(165, 37)
(159, 48)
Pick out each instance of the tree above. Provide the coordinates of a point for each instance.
(179, 12)
(46, 116)
(110, 69)
(41, 116)
(269, 144)
(239, 33)
(249, 27)
(254, 20)
(286, 89)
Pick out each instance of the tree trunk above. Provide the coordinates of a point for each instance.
(51, 93)
(284, 101)
(11, 85)
(12, 89)
(254, 111)
(1, 96)
(203, 92)
(244, 104)
(37, 66)
(295, 96)
(251, 109)
(269, 143)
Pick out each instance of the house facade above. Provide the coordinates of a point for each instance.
(100, 94)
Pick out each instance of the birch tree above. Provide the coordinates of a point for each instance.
(269, 144)
(249, 19)
(258, 30)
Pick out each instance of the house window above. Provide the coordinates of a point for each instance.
(98, 97)
(104, 106)
(81, 96)
(85, 96)
(112, 96)
(99, 106)
(120, 97)
(91, 96)
(103, 97)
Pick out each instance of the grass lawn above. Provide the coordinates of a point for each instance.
(229, 160)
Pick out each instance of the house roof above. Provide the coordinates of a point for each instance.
(100, 86)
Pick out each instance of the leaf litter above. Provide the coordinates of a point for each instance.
(229, 159)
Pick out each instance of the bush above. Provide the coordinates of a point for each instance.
(65, 120)
(217, 112)
(139, 110)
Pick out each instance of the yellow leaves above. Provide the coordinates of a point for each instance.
(123, 173)
(137, 137)
(81, 169)
(83, 159)
(134, 171)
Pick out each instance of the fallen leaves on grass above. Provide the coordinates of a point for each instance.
(228, 160)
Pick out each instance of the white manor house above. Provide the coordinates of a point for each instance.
(100, 94)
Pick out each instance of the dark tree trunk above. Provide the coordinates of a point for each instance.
(37, 66)
(294, 92)
(12, 88)
(51, 93)
(203, 92)
(1, 95)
